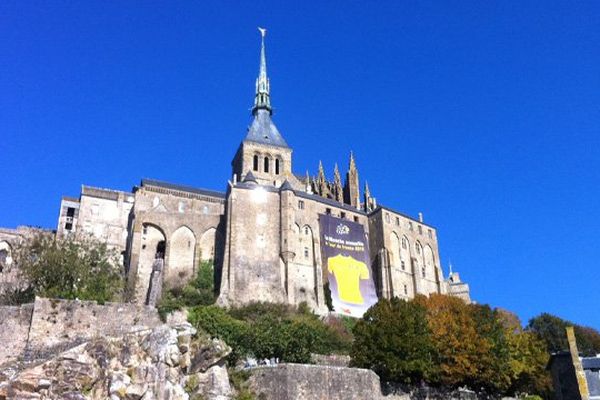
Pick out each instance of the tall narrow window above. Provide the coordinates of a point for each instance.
(255, 163)
(276, 166)
(423, 271)
(306, 253)
(266, 164)
(403, 264)
(405, 290)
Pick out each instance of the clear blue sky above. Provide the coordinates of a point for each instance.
(485, 116)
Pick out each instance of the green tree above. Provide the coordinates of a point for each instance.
(552, 330)
(74, 267)
(493, 372)
(528, 358)
(458, 345)
(393, 339)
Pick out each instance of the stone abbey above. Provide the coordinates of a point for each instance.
(262, 233)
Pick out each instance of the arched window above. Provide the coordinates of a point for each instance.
(266, 164)
(277, 166)
(418, 248)
(255, 163)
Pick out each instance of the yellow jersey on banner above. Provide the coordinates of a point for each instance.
(348, 272)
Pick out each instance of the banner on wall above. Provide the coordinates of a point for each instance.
(345, 255)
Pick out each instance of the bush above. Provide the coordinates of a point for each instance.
(270, 331)
(74, 267)
(199, 291)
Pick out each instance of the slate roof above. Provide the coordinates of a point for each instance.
(286, 186)
(264, 131)
(183, 188)
(590, 362)
(250, 177)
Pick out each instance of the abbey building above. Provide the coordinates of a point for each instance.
(264, 233)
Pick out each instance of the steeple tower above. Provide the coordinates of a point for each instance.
(263, 151)
(262, 100)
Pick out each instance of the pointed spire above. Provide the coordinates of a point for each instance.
(321, 170)
(352, 162)
(262, 100)
(337, 184)
(368, 201)
(321, 181)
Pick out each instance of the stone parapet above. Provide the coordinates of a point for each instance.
(312, 382)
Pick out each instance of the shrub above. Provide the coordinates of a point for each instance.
(74, 267)
(199, 291)
(270, 331)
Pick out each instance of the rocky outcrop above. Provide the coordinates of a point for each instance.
(162, 363)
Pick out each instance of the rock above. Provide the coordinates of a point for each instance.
(143, 365)
(135, 392)
(213, 384)
(44, 383)
(205, 354)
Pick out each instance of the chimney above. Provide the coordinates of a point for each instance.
(420, 217)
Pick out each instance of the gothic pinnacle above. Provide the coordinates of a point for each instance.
(352, 162)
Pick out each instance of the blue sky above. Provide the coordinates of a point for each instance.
(485, 116)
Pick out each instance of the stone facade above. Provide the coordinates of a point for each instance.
(262, 233)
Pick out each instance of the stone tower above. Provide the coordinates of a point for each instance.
(351, 188)
(264, 152)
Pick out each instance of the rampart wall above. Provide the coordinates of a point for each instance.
(304, 382)
(49, 326)
(14, 330)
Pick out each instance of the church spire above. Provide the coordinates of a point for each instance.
(262, 100)
(337, 184)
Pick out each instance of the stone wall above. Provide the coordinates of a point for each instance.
(14, 330)
(48, 326)
(304, 382)
(59, 324)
